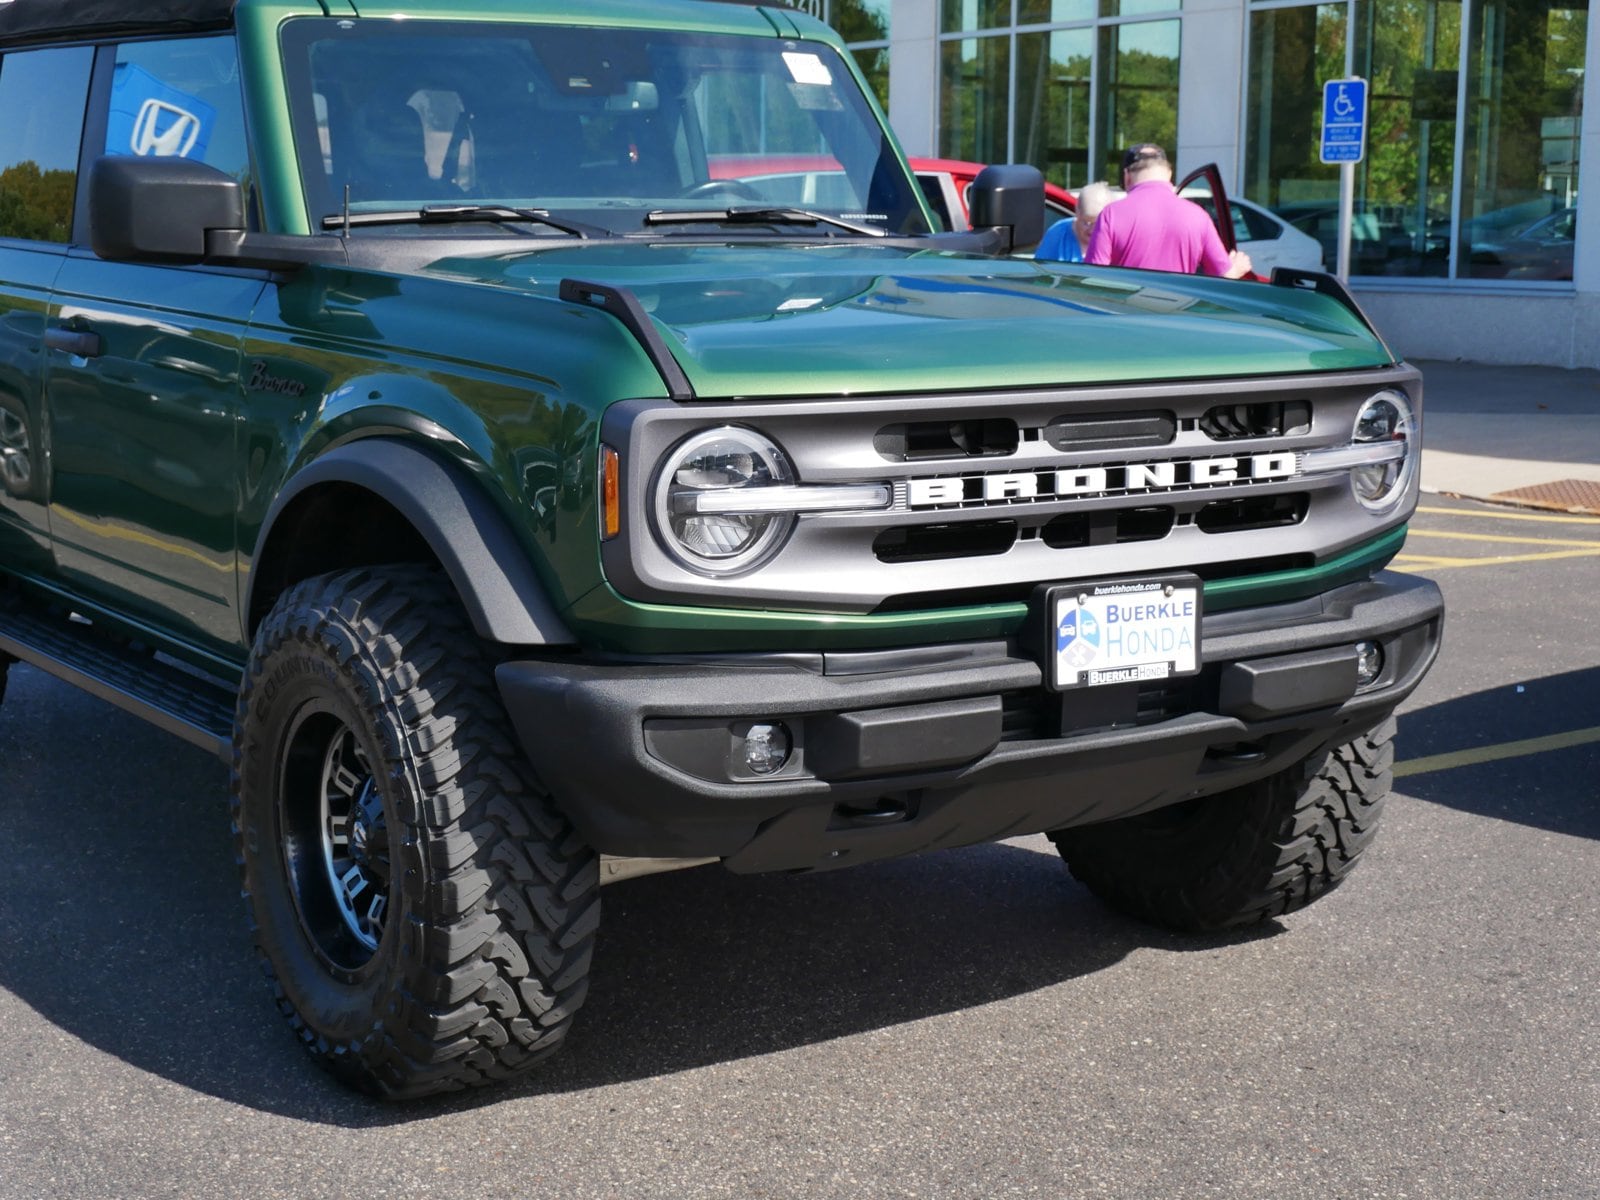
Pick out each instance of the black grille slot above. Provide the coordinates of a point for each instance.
(955, 598)
(1037, 713)
(1112, 431)
(919, 440)
(926, 543)
(1255, 566)
(1269, 418)
(1163, 699)
(1253, 512)
(1113, 527)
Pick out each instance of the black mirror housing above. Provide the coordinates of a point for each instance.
(176, 212)
(1009, 198)
(159, 210)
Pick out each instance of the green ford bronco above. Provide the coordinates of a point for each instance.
(539, 443)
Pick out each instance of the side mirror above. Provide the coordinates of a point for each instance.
(159, 210)
(1009, 199)
(178, 212)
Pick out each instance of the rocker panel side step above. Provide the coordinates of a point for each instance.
(195, 708)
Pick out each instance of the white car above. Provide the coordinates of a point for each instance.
(1267, 238)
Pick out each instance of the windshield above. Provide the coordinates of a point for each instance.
(601, 126)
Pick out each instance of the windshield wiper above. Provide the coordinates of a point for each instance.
(443, 214)
(755, 216)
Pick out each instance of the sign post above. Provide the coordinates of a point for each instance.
(1344, 141)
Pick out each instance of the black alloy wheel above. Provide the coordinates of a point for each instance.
(424, 912)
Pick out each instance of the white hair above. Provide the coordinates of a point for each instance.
(1095, 196)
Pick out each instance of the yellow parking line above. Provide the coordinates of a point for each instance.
(1405, 564)
(140, 538)
(1494, 560)
(1453, 535)
(1414, 563)
(1486, 754)
(1508, 516)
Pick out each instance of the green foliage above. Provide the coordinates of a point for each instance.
(35, 204)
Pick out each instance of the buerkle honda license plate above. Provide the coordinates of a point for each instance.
(1123, 631)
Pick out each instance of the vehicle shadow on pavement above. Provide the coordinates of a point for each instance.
(121, 925)
(1551, 789)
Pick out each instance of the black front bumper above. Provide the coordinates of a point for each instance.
(947, 745)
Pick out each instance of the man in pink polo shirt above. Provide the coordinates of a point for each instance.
(1155, 228)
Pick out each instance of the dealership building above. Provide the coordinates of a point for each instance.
(1466, 237)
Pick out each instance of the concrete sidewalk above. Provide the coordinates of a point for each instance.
(1514, 435)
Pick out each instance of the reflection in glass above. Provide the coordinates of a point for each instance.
(861, 20)
(42, 94)
(1052, 12)
(962, 16)
(1409, 50)
(1291, 51)
(1054, 76)
(974, 104)
(1519, 174)
(866, 21)
(1139, 90)
(1136, 8)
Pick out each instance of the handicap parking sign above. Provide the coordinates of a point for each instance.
(1344, 120)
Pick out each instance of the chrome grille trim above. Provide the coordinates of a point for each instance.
(828, 563)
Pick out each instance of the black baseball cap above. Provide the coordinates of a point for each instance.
(1144, 152)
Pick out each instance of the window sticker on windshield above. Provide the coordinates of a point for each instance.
(807, 68)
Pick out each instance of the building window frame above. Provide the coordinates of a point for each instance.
(1358, 14)
(1014, 30)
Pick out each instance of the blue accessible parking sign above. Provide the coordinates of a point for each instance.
(1344, 120)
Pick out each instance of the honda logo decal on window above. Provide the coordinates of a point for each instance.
(156, 120)
(164, 130)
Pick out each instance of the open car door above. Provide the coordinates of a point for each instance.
(1208, 180)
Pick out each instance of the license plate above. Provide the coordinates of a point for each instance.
(1124, 631)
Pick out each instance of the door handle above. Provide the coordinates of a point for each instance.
(75, 342)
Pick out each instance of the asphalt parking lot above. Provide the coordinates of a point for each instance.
(965, 1024)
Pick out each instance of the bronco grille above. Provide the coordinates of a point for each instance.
(982, 497)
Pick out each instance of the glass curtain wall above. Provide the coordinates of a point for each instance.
(1522, 110)
(1063, 84)
(1473, 131)
(864, 25)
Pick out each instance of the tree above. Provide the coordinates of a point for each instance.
(35, 204)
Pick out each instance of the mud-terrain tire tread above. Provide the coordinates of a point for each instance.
(500, 894)
(1244, 856)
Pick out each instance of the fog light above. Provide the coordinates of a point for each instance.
(766, 748)
(1369, 663)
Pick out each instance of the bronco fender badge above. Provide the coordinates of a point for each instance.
(263, 380)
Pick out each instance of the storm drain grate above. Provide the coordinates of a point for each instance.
(1564, 495)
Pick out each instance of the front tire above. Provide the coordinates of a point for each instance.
(1245, 855)
(424, 913)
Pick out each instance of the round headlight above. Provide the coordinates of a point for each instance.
(699, 494)
(1385, 419)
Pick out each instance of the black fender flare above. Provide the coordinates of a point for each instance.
(470, 537)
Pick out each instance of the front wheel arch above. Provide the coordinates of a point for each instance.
(437, 515)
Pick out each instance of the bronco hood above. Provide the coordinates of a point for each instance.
(749, 320)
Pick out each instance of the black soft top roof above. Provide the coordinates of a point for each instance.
(23, 22)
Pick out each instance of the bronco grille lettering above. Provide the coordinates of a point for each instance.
(1098, 481)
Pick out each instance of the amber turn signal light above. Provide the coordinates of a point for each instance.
(610, 494)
